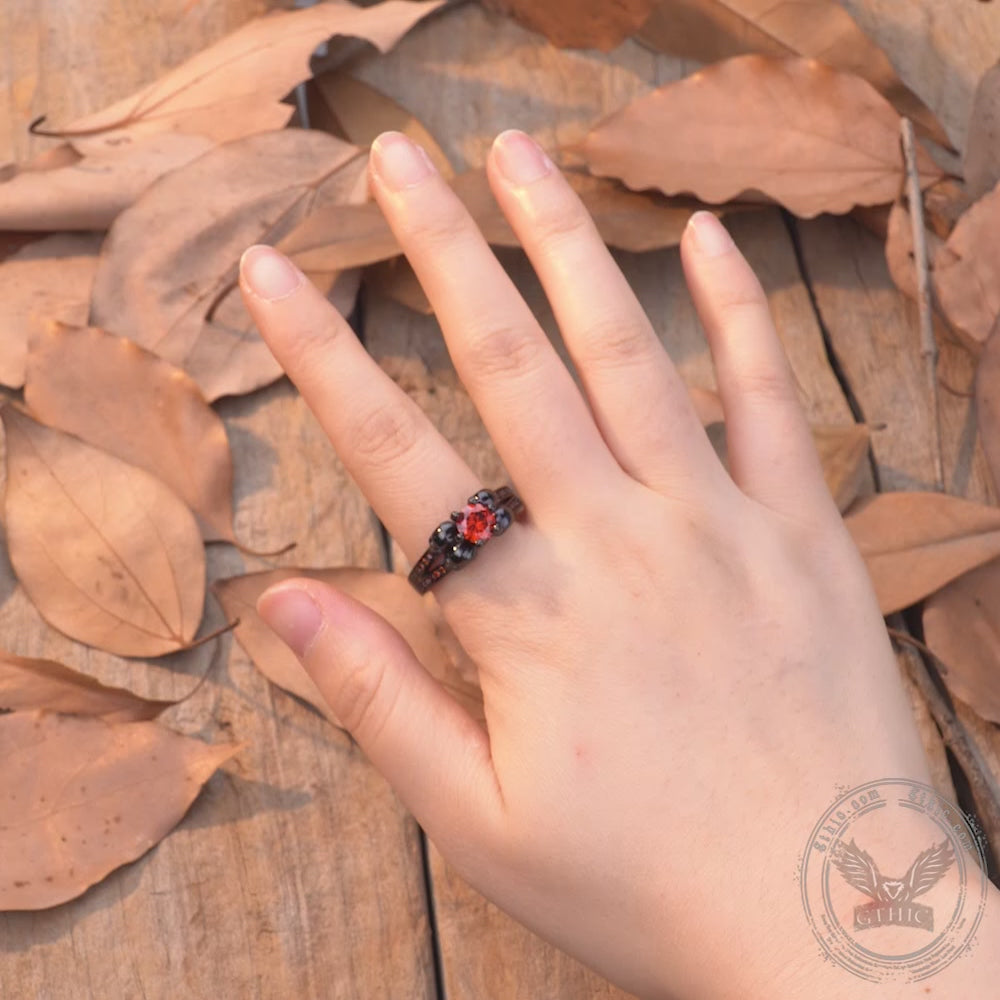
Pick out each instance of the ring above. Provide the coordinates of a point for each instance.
(456, 541)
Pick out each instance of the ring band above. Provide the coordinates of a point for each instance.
(455, 542)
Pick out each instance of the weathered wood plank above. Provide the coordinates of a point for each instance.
(296, 873)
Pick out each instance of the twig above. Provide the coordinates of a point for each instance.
(982, 782)
(928, 345)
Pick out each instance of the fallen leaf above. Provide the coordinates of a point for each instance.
(395, 279)
(915, 543)
(108, 554)
(793, 130)
(176, 294)
(386, 593)
(578, 24)
(981, 161)
(82, 798)
(234, 88)
(843, 453)
(126, 401)
(356, 112)
(962, 626)
(49, 279)
(987, 396)
(91, 191)
(713, 30)
(966, 271)
(343, 236)
(44, 685)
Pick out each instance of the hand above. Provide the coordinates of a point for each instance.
(680, 666)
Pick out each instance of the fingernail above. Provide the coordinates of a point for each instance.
(712, 237)
(520, 159)
(400, 162)
(269, 274)
(292, 614)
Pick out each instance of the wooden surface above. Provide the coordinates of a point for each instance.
(296, 873)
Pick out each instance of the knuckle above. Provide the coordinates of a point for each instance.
(740, 299)
(439, 230)
(310, 349)
(364, 700)
(766, 385)
(384, 435)
(616, 342)
(561, 225)
(504, 351)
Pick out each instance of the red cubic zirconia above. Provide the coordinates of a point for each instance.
(476, 524)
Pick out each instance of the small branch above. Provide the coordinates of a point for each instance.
(928, 345)
(984, 785)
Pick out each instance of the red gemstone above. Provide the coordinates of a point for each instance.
(476, 524)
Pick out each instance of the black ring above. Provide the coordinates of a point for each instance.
(455, 542)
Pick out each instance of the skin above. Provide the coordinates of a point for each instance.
(668, 715)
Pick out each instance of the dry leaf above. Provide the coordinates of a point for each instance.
(343, 236)
(90, 192)
(843, 453)
(390, 595)
(966, 271)
(83, 797)
(120, 398)
(108, 554)
(44, 685)
(962, 626)
(234, 88)
(813, 139)
(915, 543)
(167, 277)
(712, 30)
(49, 279)
(987, 397)
(578, 24)
(982, 146)
(356, 112)
(395, 279)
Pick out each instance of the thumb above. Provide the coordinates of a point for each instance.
(435, 756)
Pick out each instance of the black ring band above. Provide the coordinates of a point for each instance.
(455, 542)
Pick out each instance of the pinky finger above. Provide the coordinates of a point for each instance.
(772, 457)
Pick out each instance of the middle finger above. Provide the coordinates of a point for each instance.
(536, 416)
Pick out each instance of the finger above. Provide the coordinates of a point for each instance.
(428, 748)
(772, 457)
(638, 399)
(535, 414)
(384, 440)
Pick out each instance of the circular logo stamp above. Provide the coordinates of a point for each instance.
(894, 881)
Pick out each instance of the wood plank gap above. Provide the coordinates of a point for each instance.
(432, 923)
(791, 223)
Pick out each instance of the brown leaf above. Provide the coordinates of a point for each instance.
(712, 30)
(962, 626)
(915, 543)
(811, 138)
(83, 797)
(981, 161)
(356, 112)
(578, 24)
(343, 236)
(390, 595)
(35, 685)
(90, 192)
(843, 453)
(966, 271)
(234, 88)
(107, 553)
(119, 397)
(176, 294)
(49, 279)
(987, 395)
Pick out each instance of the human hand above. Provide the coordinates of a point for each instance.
(670, 655)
